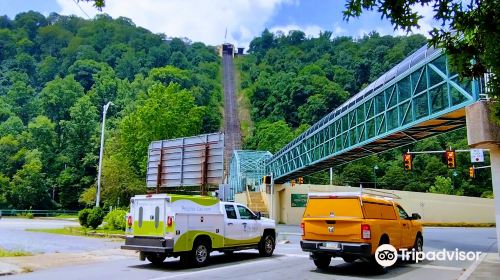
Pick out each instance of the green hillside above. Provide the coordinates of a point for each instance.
(56, 74)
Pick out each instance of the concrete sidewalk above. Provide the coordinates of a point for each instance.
(488, 268)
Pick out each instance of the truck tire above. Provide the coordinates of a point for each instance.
(419, 244)
(349, 259)
(200, 254)
(266, 245)
(156, 258)
(322, 261)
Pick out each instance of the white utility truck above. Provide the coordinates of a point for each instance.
(190, 227)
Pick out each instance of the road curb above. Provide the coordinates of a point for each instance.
(8, 269)
(112, 235)
(468, 272)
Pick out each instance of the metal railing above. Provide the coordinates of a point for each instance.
(36, 213)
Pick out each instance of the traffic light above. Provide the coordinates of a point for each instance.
(407, 161)
(450, 159)
(301, 180)
(292, 183)
(472, 172)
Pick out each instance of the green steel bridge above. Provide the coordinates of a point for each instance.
(418, 98)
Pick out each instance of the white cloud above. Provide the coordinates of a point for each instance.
(337, 30)
(199, 20)
(309, 30)
(427, 23)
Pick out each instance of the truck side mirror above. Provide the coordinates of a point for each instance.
(415, 216)
(258, 215)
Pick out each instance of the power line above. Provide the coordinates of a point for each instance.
(76, 2)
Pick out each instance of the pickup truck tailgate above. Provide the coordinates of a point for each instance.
(340, 229)
(333, 219)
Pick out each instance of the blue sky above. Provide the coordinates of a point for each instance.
(206, 21)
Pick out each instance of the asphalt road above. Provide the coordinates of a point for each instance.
(13, 236)
(289, 262)
(232, 133)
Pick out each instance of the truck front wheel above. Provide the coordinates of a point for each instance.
(156, 258)
(266, 245)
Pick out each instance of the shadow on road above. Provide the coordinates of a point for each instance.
(172, 264)
(367, 270)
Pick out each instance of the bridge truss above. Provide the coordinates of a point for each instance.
(418, 98)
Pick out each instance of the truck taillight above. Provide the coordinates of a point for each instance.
(129, 221)
(169, 221)
(303, 229)
(366, 233)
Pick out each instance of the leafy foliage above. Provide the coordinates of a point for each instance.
(115, 219)
(83, 216)
(58, 72)
(95, 217)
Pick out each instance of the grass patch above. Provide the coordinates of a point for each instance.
(246, 123)
(80, 231)
(429, 224)
(66, 216)
(13, 253)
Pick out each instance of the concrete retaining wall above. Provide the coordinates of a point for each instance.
(432, 207)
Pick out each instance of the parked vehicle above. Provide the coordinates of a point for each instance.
(352, 225)
(190, 227)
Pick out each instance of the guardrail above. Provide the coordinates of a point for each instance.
(36, 213)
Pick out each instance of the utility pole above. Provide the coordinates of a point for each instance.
(98, 194)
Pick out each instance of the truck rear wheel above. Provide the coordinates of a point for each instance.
(200, 254)
(266, 245)
(156, 258)
(322, 261)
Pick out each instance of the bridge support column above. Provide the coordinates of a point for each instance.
(481, 133)
(495, 180)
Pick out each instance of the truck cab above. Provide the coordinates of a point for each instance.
(190, 227)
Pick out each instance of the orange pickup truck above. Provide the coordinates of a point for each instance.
(352, 225)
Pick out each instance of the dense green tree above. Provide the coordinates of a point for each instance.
(58, 96)
(21, 97)
(169, 112)
(47, 69)
(9, 148)
(56, 74)
(12, 126)
(28, 188)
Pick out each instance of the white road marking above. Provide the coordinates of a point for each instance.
(441, 267)
(295, 255)
(187, 274)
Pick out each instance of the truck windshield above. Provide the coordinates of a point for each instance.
(333, 207)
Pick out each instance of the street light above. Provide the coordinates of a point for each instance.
(98, 194)
(375, 168)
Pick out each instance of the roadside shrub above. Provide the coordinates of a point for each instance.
(95, 218)
(83, 216)
(115, 219)
(29, 215)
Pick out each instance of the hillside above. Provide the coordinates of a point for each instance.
(56, 74)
